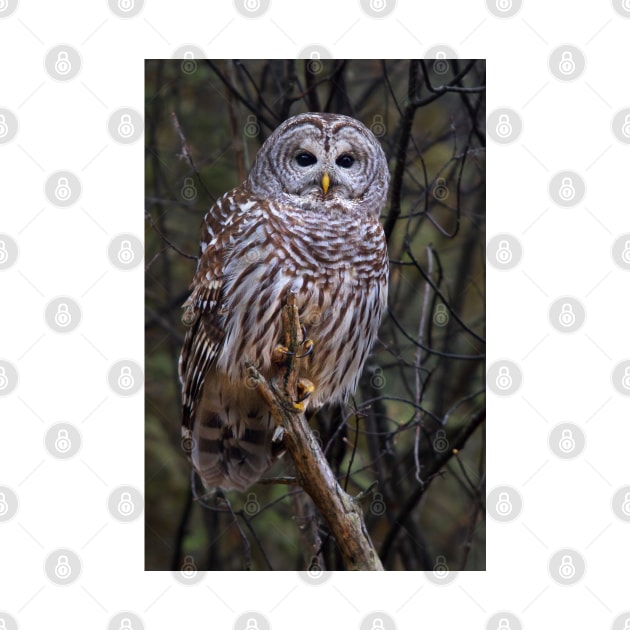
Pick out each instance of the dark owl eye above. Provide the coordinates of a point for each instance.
(345, 161)
(305, 159)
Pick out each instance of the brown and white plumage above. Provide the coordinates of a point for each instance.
(307, 224)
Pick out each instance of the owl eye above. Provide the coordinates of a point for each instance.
(345, 161)
(305, 159)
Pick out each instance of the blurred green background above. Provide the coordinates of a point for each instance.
(416, 425)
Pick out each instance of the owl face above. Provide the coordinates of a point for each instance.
(322, 161)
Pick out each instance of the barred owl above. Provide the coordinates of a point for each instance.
(306, 220)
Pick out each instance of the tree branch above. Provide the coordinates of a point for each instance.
(342, 513)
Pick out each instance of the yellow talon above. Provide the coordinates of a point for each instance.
(280, 354)
(304, 389)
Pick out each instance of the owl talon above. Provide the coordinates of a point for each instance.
(308, 344)
(304, 389)
(280, 354)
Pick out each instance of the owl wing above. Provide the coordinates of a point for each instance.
(203, 314)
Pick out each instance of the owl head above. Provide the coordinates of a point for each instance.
(318, 162)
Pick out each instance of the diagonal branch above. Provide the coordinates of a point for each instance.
(342, 513)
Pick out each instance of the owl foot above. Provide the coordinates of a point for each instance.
(304, 389)
(280, 352)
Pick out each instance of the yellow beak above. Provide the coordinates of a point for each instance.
(325, 182)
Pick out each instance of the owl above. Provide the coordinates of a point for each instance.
(306, 220)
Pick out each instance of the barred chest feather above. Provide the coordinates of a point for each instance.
(338, 268)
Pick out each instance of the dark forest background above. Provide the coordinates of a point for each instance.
(415, 427)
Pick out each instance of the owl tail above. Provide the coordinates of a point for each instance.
(232, 454)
